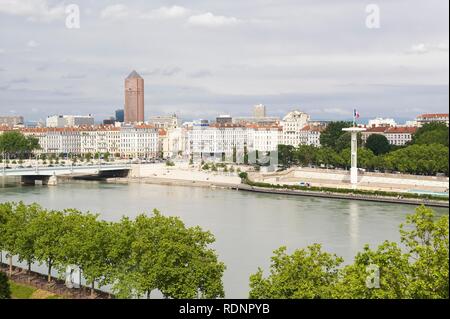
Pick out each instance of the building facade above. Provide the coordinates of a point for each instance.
(134, 98)
(165, 122)
(292, 125)
(399, 136)
(435, 117)
(11, 121)
(259, 111)
(60, 121)
(129, 141)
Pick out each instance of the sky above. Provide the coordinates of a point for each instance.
(203, 58)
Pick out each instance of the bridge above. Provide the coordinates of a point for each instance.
(48, 175)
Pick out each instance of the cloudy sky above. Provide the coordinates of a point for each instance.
(201, 58)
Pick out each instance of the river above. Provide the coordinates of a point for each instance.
(247, 226)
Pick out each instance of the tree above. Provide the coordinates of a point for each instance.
(419, 159)
(6, 214)
(25, 235)
(306, 274)
(327, 156)
(421, 271)
(167, 256)
(86, 245)
(120, 271)
(50, 228)
(378, 144)
(431, 133)
(306, 154)
(332, 133)
(16, 144)
(418, 268)
(344, 141)
(5, 291)
(285, 154)
(427, 244)
(392, 264)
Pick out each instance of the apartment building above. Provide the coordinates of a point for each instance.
(127, 141)
(400, 135)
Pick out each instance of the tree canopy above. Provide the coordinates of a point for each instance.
(16, 144)
(432, 133)
(135, 257)
(414, 159)
(378, 144)
(332, 133)
(418, 268)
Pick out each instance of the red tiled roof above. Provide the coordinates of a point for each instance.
(380, 129)
(401, 130)
(433, 115)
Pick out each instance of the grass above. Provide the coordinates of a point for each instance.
(20, 291)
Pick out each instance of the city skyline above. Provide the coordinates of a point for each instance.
(188, 55)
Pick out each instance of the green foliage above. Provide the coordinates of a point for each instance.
(5, 289)
(345, 140)
(305, 155)
(135, 257)
(165, 255)
(243, 176)
(432, 133)
(414, 159)
(169, 163)
(344, 191)
(378, 144)
(332, 133)
(19, 291)
(306, 274)
(419, 159)
(16, 144)
(416, 270)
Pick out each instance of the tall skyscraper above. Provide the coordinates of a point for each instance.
(259, 111)
(120, 115)
(134, 98)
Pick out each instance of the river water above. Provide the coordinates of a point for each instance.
(247, 226)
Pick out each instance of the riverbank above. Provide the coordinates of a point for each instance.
(33, 285)
(349, 196)
(280, 191)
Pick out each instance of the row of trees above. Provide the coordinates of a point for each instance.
(418, 268)
(136, 256)
(414, 159)
(16, 145)
(429, 133)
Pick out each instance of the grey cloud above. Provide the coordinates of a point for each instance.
(200, 74)
(314, 55)
(20, 80)
(170, 71)
(74, 76)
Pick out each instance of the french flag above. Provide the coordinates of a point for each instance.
(355, 114)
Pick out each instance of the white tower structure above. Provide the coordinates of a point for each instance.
(354, 169)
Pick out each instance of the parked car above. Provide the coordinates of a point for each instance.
(304, 184)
